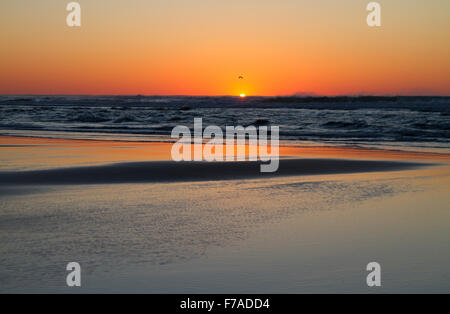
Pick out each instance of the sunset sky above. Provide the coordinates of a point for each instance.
(200, 47)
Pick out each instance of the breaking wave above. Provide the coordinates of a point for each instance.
(373, 121)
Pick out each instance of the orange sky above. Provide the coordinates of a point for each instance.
(200, 47)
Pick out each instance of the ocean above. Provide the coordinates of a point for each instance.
(403, 123)
(136, 221)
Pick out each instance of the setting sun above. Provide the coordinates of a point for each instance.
(127, 142)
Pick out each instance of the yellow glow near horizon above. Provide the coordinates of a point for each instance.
(242, 95)
(279, 47)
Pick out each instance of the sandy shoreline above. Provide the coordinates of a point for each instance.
(33, 153)
(44, 161)
(167, 171)
(310, 227)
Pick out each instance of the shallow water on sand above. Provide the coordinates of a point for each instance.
(297, 234)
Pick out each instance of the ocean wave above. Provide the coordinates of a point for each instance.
(345, 124)
(345, 120)
(90, 117)
(124, 118)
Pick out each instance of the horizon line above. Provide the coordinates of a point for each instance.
(236, 96)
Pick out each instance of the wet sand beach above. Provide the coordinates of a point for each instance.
(137, 222)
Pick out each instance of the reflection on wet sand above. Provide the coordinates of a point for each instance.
(299, 233)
